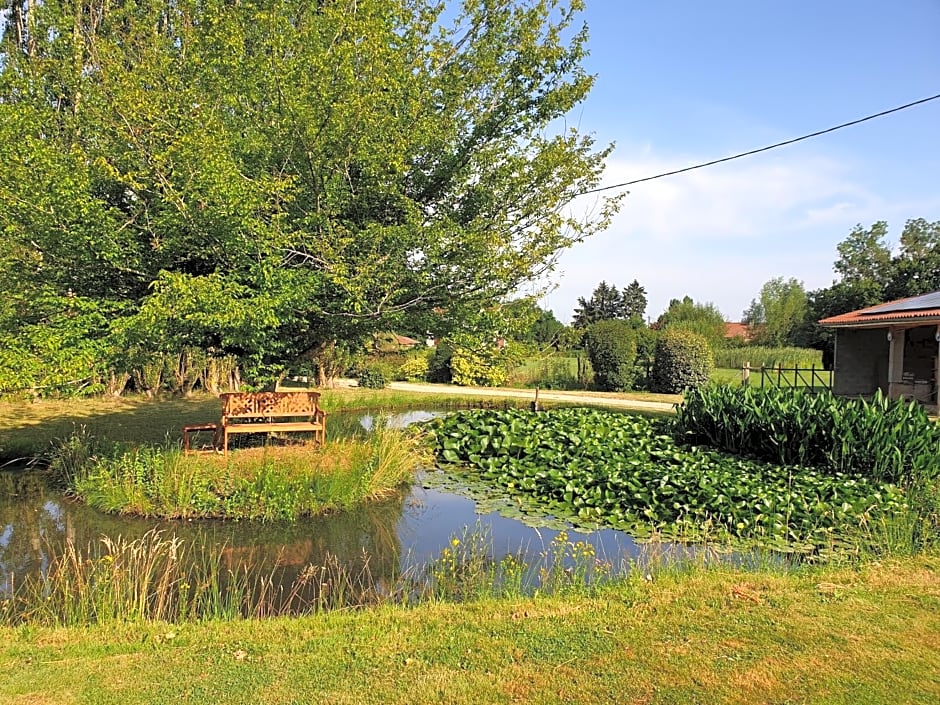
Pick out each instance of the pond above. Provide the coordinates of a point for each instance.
(382, 540)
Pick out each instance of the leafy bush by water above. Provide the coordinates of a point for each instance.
(625, 471)
(886, 440)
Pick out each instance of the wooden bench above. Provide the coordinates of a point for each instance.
(265, 412)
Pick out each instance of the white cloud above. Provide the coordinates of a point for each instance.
(717, 234)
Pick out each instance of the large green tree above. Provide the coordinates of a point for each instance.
(778, 312)
(607, 303)
(269, 179)
(702, 318)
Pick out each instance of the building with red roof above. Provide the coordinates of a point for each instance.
(894, 347)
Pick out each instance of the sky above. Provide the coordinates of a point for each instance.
(680, 82)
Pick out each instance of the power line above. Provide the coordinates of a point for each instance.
(764, 149)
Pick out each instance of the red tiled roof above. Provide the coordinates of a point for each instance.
(870, 318)
(741, 330)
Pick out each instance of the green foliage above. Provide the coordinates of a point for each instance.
(547, 330)
(415, 368)
(439, 363)
(683, 360)
(762, 356)
(611, 347)
(265, 483)
(645, 354)
(598, 467)
(607, 303)
(779, 312)
(477, 368)
(704, 319)
(373, 377)
(262, 183)
(886, 440)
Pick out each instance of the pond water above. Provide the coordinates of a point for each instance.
(398, 534)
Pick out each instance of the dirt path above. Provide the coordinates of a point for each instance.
(501, 392)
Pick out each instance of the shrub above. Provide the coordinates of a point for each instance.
(645, 353)
(611, 347)
(683, 360)
(439, 364)
(373, 377)
(415, 368)
(471, 368)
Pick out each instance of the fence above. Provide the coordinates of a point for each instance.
(812, 379)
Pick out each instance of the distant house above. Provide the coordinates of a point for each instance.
(406, 343)
(739, 330)
(894, 347)
(389, 342)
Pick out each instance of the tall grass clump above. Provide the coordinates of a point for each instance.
(884, 439)
(764, 356)
(163, 578)
(268, 483)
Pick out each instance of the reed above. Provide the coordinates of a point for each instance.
(268, 483)
(161, 578)
(765, 356)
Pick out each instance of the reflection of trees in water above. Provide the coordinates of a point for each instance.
(363, 543)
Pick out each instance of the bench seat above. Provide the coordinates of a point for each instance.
(266, 412)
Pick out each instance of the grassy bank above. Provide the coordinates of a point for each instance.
(869, 634)
(28, 429)
(283, 482)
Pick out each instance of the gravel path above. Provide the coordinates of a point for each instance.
(571, 398)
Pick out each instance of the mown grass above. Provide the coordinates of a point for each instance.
(28, 429)
(864, 634)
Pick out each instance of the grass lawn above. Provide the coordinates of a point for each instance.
(27, 428)
(864, 635)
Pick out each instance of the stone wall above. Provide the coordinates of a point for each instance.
(861, 361)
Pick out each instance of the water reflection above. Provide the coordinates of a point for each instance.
(380, 540)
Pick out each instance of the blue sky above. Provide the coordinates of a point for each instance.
(684, 82)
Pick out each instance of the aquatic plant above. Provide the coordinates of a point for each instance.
(883, 439)
(605, 468)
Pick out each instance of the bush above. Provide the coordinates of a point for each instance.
(373, 377)
(439, 364)
(471, 368)
(415, 368)
(645, 353)
(611, 347)
(683, 360)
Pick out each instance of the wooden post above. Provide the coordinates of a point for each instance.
(746, 374)
(535, 402)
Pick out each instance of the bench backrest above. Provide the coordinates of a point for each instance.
(269, 404)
